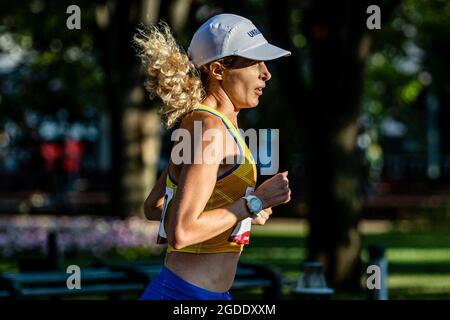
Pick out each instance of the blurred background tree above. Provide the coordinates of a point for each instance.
(352, 104)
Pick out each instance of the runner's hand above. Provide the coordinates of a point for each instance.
(274, 191)
(264, 215)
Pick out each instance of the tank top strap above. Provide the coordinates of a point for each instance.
(231, 128)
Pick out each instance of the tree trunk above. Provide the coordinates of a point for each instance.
(327, 108)
(339, 43)
(135, 125)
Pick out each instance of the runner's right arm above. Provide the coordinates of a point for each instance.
(154, 203)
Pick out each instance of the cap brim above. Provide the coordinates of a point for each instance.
(264, 52)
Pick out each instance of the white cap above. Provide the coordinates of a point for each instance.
(230, 35)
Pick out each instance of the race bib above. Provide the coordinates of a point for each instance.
(241, 233)
(162, 236)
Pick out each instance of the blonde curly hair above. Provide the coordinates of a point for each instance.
(170, 74)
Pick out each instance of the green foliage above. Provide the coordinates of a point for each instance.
(58, 68)
(408, 59)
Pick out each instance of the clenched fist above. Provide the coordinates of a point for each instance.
(274, 191)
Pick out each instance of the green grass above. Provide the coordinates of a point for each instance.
(418, 257)
(8, 266)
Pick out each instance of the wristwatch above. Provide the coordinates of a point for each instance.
(254, 205)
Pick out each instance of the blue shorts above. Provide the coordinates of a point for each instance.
(168, 286)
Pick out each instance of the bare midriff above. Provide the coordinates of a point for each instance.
(213, 271)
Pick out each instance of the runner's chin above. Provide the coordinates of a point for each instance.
(255, 101)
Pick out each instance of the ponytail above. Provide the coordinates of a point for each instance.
(171, 75)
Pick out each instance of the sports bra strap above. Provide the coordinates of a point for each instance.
(227, 122)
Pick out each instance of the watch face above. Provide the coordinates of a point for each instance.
(255, 205)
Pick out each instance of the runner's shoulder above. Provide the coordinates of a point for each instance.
(207, 120)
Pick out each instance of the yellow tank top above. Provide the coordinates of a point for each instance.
(237, 182)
